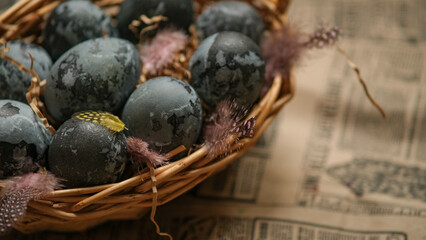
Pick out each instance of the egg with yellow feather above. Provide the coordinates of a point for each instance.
(89, 149)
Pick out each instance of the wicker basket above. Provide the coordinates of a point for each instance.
(81, 208)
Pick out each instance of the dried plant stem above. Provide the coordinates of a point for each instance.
(6, 17)
(169, 188)
(273, 95)
(175, 168)
(81, 216)
(47, 8)
(28, 9)
(361, 80)
(154, 203)
(79, 191)
(106, 3)
(285, 98)
(177, 193)
(116, 188)
(175, 151)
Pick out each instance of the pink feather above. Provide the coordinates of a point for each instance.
(224, 122)
(160, 52)
(281, 51)
(140, 153)
(18, 191)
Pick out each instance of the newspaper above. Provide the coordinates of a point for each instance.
(330, 167)
(278, 223)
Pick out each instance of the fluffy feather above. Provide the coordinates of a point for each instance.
(281, 51)
(140, 153)
(224, 122)
(106, 119)
(18, 191)
(161, 51)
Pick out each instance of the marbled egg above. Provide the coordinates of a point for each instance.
(23, 139)
(230, 16)
(179, 13)
(165, 112)
(73, 22)
(98, 74)
(14, 83)
(42, 63)
(227, 65)
(86, 154)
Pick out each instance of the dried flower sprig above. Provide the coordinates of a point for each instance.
(140, 154)
(282, 49)
(225, 121)
(19, 190)
(324, 36)
(162, 49)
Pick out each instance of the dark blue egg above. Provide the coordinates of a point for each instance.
(179, 13)
(19, 50)
(87, 154)
(73, 22)
(14, 83)
(165, 112)
(230, 16)
(23, 139)
(227, 65)
(98, 74)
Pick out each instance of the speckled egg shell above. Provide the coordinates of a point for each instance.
(73, 22)
(14, 83)
(227, 65)
(23, 139)
(179, 14)
(230, 16)
(42, 63)
(87, 154)
(98, 74)
(165, 112)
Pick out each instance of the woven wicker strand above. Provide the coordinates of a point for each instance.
(81, 208)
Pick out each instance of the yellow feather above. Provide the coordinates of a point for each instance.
(112, 122)
(105, 119)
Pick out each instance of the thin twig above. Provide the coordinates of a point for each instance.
(175, 151)
(154, 202)
(361, 80)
